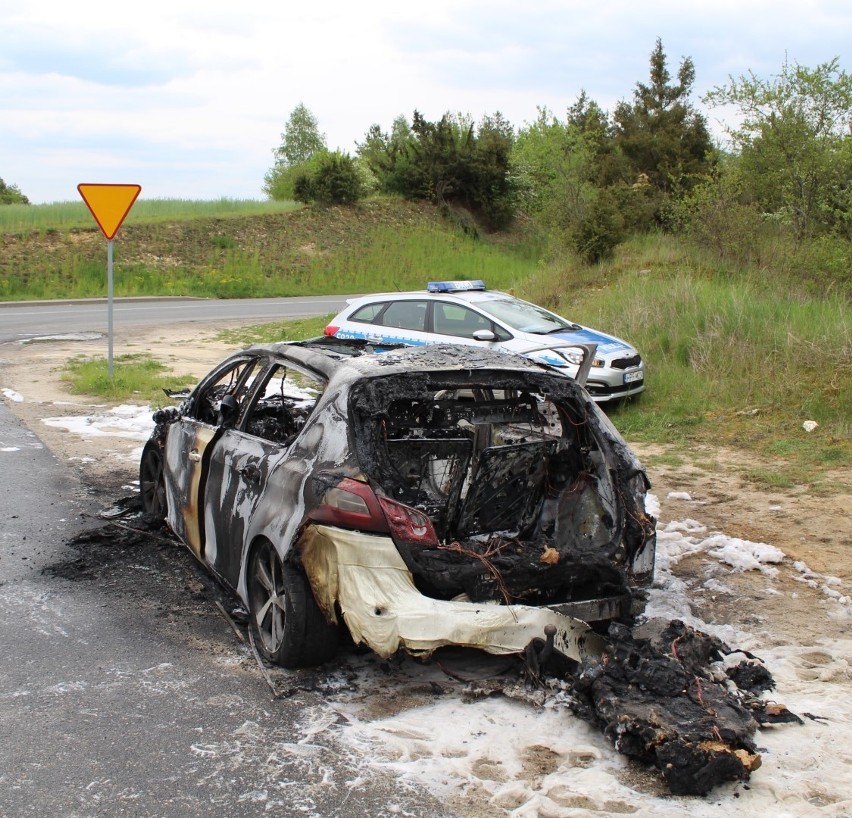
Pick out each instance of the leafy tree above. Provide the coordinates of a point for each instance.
(329, 177)
(385, 154)
(300, 140)
(495, 126)
(492, 188)
(437, 153)
(599, 230)
(609, 166)
(447, 161)
(560, 173)
(721, 216)
(660, 134)
(10, 194)
(554, 165)
(794, 142)
(279, 180)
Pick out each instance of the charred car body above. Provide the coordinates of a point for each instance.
(419, 497)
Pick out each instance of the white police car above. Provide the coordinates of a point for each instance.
(465, 312)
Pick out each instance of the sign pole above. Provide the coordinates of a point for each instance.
(109, 204)
(109, 307)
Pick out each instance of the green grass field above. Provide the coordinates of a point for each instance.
(63, 215)
(378, 245)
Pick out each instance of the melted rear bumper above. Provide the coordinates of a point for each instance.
(365, 577)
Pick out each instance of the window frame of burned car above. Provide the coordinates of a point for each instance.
(255, 371)
(259, 394)
(201, 410)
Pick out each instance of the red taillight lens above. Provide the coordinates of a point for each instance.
(331, 330)
(408, 524)
(350, 504)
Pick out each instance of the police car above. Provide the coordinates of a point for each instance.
(466, 312)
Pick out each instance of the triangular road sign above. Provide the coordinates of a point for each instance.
(109, 204)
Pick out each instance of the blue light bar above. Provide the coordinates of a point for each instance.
(454, 286)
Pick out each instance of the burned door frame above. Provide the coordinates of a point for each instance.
(188, 445)
(240, 471)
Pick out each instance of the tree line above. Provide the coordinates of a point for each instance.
(592, 177)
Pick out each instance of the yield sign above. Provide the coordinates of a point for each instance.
(109, 204)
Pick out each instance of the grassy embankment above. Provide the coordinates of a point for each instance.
(735, 357)
(375, 246)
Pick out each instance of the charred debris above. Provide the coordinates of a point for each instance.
(661, 693)
(668, 696)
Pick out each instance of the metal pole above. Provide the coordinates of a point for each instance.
(109, 308)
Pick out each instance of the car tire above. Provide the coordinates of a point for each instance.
(289, 628)
(152, 483)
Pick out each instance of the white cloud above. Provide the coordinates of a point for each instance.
(189, 98)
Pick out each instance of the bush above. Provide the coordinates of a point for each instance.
(330, 177)
(447, 162)
(11, 194)
(718, 216)
(279, 181)
(824, 265)
(599, 230)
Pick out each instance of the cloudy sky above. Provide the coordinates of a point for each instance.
(189, 98)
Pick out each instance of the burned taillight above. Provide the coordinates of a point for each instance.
(330, 330)
(407, 524)
(350, 504)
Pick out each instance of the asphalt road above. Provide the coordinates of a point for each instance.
(123, 691)
(21, 320)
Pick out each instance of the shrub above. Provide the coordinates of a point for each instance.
(279, 181)
(599, 230)
(824, 265)
(330, 177)
(11, 194)
(719, 216)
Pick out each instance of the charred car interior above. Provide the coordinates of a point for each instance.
(519, 497)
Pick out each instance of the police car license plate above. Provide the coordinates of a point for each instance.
(633, 377)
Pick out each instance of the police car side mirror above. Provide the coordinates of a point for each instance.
(484, 335)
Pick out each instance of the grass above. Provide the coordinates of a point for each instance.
(738, 361)
(378, 245)
(295, 330)
(58, 216)
(771, 478)
(666, 459)
(135, 377)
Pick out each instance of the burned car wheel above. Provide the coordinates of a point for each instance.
(152, 486)
(291, 630)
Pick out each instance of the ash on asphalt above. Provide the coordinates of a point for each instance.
(136, 557)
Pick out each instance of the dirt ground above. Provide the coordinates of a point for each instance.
(810, 528)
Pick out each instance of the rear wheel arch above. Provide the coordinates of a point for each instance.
(288, 625)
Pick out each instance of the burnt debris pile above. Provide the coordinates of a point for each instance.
(663, 698)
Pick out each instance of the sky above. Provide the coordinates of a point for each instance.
(188, 99)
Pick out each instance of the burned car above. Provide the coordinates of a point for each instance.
(419, 497)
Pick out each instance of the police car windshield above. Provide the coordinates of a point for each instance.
(525, 317)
